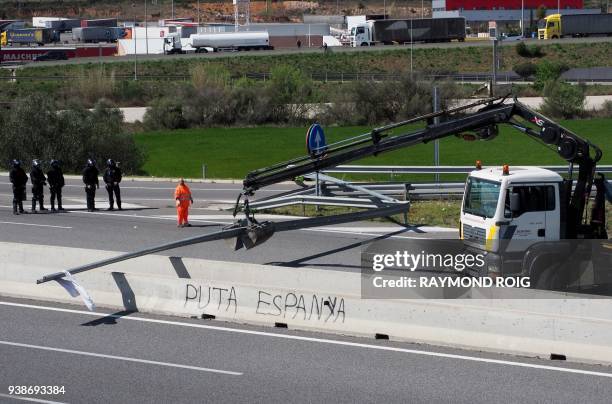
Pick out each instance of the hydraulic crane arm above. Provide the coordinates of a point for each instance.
(482, 124)
(456, 121)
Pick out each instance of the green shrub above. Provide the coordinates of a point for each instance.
(165, 113)
(525, 70)
(531, 51)
(563, 100)
(548, 71)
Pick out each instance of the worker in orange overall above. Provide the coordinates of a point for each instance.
(182, 196)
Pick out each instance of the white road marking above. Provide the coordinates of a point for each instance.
(121, 358)
(320, 340)
(37, 225)
(31, 399)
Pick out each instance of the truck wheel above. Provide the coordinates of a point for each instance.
(365, 44)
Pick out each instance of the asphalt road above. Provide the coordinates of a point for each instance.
(281, 52)
(142, 358)
(149, 218)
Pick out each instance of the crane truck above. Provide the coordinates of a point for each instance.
(523, 219)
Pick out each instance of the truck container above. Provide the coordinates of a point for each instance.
(230, 40)
(404, 31)
(101, 22)
(558, 26)
(38, 36)
(63, 25)
(98, 34)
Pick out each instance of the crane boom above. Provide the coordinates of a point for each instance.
(482, 124)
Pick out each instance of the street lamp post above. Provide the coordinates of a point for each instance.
(522, 18)
(134, 39)
(146, 29)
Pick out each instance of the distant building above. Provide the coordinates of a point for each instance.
(506, 13)
(451, 5)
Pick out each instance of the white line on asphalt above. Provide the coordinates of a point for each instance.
(31, 399)
(121, 358)
(320, 340)
(37, 225)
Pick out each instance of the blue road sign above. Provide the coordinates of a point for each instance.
(315, 140)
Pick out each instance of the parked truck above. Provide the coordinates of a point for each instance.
(389, 32)
(37, 36)
(234, 41)
(98, 34)
(557, 26)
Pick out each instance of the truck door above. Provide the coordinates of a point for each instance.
(535, 216)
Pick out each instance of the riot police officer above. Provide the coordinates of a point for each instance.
(90, 179)
(38, 179)
(112, 178)
(19, 180)
(55, 177)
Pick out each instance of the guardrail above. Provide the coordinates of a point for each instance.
(321, 77)
(363, 169)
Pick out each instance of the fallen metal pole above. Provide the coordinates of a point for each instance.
(236, 232)
(220, 235)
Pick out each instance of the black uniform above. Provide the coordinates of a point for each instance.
(55, 177)
(112, 178)
(19, 180)
(90, 179)
(38, 179)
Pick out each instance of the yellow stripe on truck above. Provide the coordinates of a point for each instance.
(490, 237)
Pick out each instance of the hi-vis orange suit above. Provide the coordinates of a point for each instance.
(182, 195)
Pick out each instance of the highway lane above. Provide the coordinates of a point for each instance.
(146, 358)
(285, 52)
(150, 220)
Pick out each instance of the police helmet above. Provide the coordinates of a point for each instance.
(16, 163)
(110, 163)
(91, 162)
(36, 163)
(55, 163)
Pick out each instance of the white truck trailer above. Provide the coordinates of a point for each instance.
(231, 41)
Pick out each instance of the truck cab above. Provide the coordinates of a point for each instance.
(361, 35)
(550, 27)
(172, 43)
(506, 209)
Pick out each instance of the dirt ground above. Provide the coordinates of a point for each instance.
(219, 11)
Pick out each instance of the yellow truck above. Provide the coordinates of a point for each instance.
(3, 40)
(557, 26)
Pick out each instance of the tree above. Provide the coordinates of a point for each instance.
(541, 12)
(563, 100)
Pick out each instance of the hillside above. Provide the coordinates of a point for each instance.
(211, 11)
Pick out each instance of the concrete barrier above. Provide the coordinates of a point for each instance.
(316, 300)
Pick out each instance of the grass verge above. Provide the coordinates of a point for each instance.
(233, 152)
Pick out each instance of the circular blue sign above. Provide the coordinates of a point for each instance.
(315, 140)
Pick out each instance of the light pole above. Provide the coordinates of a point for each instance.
(522, 18)
(134, 39)
(411, 44)
(558, 6)
(146, 30)
(422, 9)
(172, 7)
(198, 13)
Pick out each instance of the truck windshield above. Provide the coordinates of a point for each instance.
(481, 197)
(542, 24)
